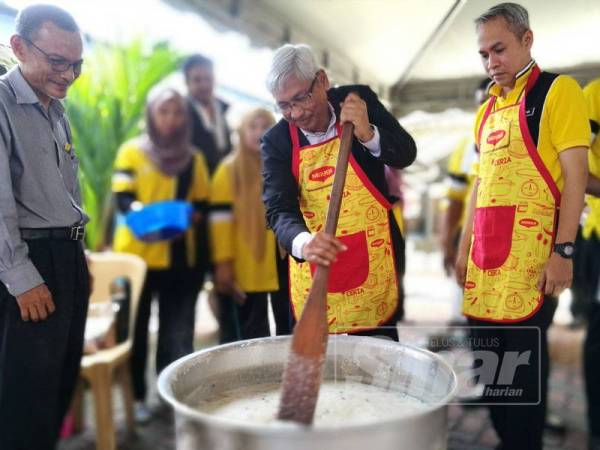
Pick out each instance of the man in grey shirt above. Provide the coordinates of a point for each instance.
(44, 285)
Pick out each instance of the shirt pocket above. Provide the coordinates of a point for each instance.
(492, 236)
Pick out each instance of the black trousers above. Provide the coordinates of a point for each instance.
(251, 320)
(176, 291)
(280, 300)
(518, 426)
(247, 321)
(591, 359)
(39, 361)
(586, 269)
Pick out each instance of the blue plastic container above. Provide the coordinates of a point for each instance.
(162, 220)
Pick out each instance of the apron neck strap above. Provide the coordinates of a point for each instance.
(294, 135)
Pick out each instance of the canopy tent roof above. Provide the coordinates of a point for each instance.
(384, 41)
(565, 35)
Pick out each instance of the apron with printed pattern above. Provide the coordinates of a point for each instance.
(515, 218)
(362, 290)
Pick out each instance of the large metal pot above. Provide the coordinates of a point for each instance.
(415, 372)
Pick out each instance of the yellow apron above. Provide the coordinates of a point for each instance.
(515, 218)
(362, 291)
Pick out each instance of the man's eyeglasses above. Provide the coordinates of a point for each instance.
(58, 65)
(301, 100)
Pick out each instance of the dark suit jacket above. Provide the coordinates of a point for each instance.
(204, 140)
(280, 192)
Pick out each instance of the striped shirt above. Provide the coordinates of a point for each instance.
(38, 177)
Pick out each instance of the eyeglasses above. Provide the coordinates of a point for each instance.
(58, 65)
(301, 100)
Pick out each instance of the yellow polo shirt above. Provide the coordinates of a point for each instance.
(230, 243)
(563, 125)
(460, 173)
(137, 174)
(592, 97)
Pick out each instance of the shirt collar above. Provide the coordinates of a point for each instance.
(24, 94)
(521, 78)
(330, 128)
(201, 105)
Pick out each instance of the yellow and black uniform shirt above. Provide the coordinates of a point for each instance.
(229, 243)
(592, 98)
(137, 178)
(460, 172)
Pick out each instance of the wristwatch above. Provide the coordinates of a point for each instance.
(565, 249)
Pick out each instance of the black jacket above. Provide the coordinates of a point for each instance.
(204, 140)
(280, 192)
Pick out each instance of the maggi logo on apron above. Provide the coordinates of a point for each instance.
(515, 218)
(362, 291)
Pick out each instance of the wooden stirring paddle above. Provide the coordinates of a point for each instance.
(302, 376)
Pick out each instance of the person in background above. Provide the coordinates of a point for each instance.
(245, 253)
(586, 262)
(299, 156)
(210, 131)
(211, 137)
(160, 165)
(45, 283)
(591, 269)
(515, 254)
(460, 180)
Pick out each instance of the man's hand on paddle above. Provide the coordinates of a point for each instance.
(322, 249)
(354, 109)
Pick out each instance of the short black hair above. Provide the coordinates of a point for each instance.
(196, 60)
(30, 19)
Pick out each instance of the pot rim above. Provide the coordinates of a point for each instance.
(231, 425)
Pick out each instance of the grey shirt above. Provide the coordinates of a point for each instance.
(38, 177)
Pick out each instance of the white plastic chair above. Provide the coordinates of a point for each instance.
(104, 367)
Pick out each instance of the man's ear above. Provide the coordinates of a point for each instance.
(323, 79)
(528, 39)
(18, 47)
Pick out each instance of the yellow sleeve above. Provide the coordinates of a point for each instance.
(222, 227)
(126, 164)
(457, 195)
(201, 189)
(457, 178)
(478, 119)
(592, 97)
(567, 115)
(454, 166)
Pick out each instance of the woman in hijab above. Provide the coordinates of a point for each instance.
(157, 166)
(244, 251)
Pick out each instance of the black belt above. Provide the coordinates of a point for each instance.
(74, 233)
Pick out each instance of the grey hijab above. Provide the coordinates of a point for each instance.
(171, 155)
